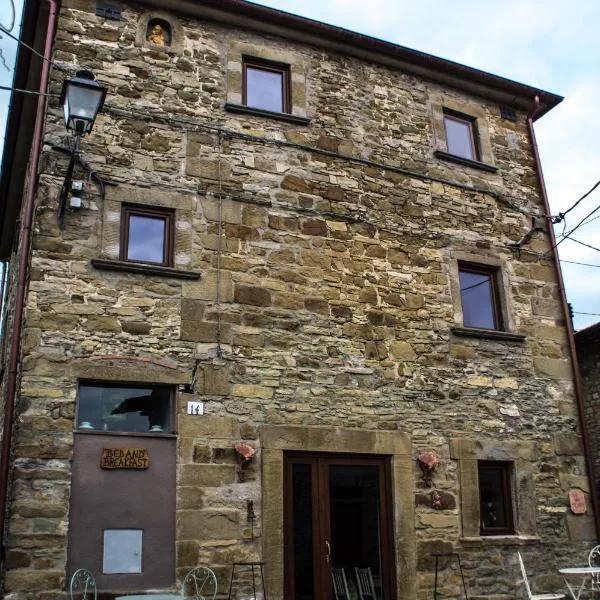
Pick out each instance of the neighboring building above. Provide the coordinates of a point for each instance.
(588, 356)
(310, 234)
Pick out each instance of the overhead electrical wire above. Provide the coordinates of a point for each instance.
(561, 215)
(12, 19)
(22, 43)
(582, 221)
(574, 262)
(584, 244)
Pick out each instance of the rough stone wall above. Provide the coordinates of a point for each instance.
(337, 295)
(587, 341)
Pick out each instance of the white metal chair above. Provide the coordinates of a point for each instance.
(83, 586)
(340, 584)
(199, 584)
(594, 561)
(364, 581)
(528, 588)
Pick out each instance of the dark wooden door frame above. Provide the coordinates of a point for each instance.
(320, 463)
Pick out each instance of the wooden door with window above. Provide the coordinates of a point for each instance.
(337, 515)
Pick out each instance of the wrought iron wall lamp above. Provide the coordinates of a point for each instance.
(82, 98)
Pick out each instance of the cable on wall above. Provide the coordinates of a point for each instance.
(219, 234)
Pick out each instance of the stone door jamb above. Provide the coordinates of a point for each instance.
(277, 439)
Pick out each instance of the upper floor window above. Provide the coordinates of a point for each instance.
(495, 498)
(126, 408)
(460, 135)
(479, 296)
(266, 85)
(147, 235)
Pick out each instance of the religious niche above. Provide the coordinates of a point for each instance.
(158, 32)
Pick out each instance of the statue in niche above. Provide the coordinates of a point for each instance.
(157, 35)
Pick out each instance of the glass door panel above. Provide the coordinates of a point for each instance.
(337, 515)
(355, 524)
(302, 516)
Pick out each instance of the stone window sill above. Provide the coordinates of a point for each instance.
(488, 334)
(500, 540)
(105, 264)
(152, 434)
(467, 162)
(258, 112)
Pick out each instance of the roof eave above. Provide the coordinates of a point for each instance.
(245, 14)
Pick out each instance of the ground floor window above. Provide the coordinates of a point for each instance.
(495, 498)
(133, 408)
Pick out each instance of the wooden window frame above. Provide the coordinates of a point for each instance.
(472, 123)
(273, 67)
(129, 210)
(319, 462)
(506, 470)
(492, 273)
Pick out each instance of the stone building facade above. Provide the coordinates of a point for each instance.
(309, 298)
(587, 341)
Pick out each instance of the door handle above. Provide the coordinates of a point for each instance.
(328, 553)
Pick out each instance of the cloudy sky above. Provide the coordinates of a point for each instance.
(551, 44)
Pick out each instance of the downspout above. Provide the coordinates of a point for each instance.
(21, 283)
(561, 287)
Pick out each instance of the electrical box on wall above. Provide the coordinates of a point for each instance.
(195, 408)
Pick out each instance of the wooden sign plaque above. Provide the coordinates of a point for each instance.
(124, 458)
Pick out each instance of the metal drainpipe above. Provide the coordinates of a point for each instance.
(24, 253)
(571, 339)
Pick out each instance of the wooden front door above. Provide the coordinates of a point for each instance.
(337, 516)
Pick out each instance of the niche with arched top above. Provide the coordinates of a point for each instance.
(158, 32)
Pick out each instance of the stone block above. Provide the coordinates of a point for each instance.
(314, 227)
(243, 337)
(190, 497)
(206, 525)
(288, 301)
(296, 184)
(248, 432)
(215, 170)
(206, 288)
(569, 481)
(553, 367)
(251, 391)
(568, 444)
(225, 455)
(29, 580)
(402, 351)
(204, 331)
(188, 553)
(32, 509)
(213, 380)
(438, 520)
(207, 475)
(17, 559)
(136, 327)
(255, 296)
(202, 453)
(341, 312)
(192, 309)
(317, 305)
(283, 223)
(448, 500)
(426, 562)
(230, 210)
(208, 427)
(581, 527)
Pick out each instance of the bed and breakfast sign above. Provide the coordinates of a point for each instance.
(124, 458)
